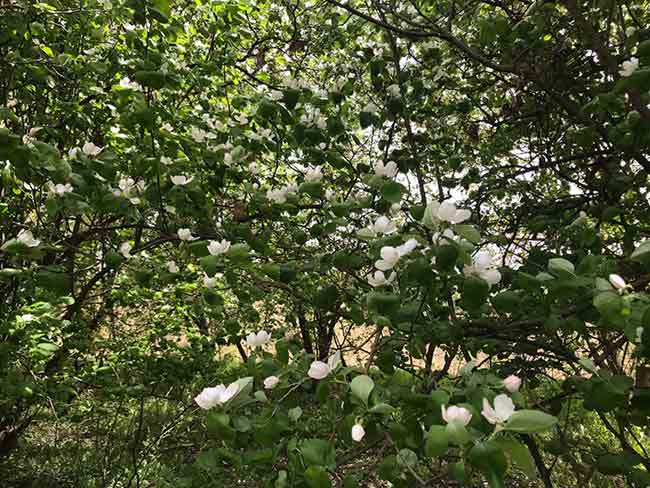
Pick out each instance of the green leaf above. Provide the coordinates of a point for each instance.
(458, 433)
(259, 456)
(238, 252)
(529, 421)
(318, 452)
(282, 352)
(642, 253)
(365, 119)
(361, 387)
(383, 303)
(47, 348)
(210, 264)
(382, 409)
(407, 458)
(8, 273)
(457, 472)
(488, 457)
(437, 441)
(47, 50)
(392, 191)
(446, 256)
(14, 246)
(561, 267)
(161, 10)
(218, 424)
(506, 302)
(620, 463)
(518, 454)
(212, 298)
(608, 303)
(475, 292)
(291, 98)
(313, 188)
(469, 232)
(316, 477)
(295, 413)
(151, 79)
(281, 480)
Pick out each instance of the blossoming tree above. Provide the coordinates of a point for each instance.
(422, 228)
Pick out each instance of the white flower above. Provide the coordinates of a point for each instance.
(166, 160)
(446, 212)
(319, 370)
(383, 225)
(512, 383)
(393, 90)
(629, 67)
(259, 339)
(181, 180)
(371, 108)
(271, 382)
(73, 152)
(126, 185)
(209, 282)
(127, 83)
(59, 188)
(186, 235)
(456, 414)
(389, 170)
(168, 127)
(254, 170)
(389, 257)
(483, 266)
(199, 135)
(128, 188)
(357, 432)
(90, 149)
(617, 281)
(329, 195)
(125, 250)
(379, 279)
(334, 360)
(277, 196)
(312, 244)
(218, 247)
(314, 173)
(218, 395)
(503, 409)
(446, 235)
(27, 238)
(580, 220)
(172, 267)
(407, 248)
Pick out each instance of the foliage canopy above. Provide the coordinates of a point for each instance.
(422, 228)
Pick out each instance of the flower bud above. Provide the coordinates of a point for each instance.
(271, 382)
(512, 383)
(358, 432)
(617, 282)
